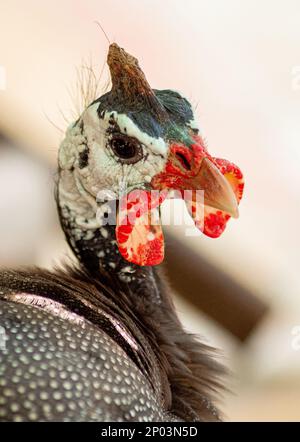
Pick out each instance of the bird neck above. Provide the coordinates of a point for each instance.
(95, 245)
(187, 372)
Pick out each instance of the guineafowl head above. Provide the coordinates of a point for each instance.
(128, 150)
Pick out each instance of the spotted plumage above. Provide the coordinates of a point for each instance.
(53, 369)
(69, 322)
(101, 341)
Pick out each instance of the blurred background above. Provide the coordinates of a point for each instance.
(239, 64)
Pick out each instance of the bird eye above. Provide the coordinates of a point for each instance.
(128, 149)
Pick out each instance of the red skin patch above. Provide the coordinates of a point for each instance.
(140, 240)
(177, 175)
(215, 223)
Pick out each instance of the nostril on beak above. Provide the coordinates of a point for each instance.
(183, 160)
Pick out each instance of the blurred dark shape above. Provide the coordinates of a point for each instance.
(209, 289)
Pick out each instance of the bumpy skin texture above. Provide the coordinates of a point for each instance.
(105, 342)
(54, 370)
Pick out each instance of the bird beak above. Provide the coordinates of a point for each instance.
(218, 193)
(220, 184)
(188, 170)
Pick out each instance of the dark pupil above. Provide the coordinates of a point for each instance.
(124, 148)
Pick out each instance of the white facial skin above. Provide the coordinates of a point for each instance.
(104, 169)
(103, 172)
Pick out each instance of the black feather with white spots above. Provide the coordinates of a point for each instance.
(54, 370)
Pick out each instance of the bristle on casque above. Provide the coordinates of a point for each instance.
(140, 242)
(129, 84)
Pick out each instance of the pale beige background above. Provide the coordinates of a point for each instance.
(239, 63)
